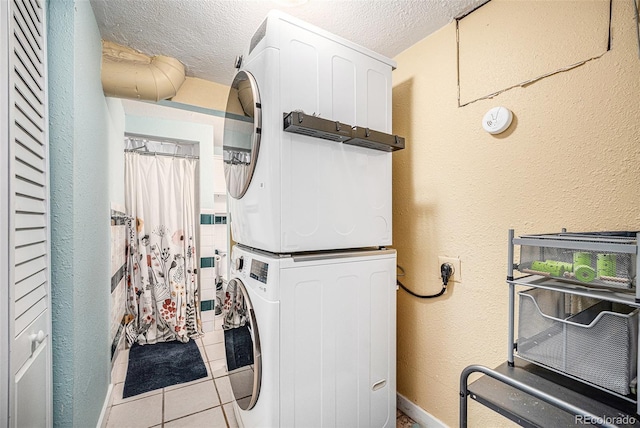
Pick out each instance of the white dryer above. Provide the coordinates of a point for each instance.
(310, 340)
(292, 192)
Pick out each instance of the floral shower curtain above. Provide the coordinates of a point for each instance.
(162, 287)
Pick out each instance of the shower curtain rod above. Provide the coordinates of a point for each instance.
(162, 154)
(140, 138)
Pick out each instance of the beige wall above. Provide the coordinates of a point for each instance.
(570, 159)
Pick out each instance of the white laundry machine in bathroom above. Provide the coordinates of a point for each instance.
(292, 192)
(310, 339)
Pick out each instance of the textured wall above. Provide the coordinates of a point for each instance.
(498, 38)
(80, 215)
(61, 119)
(570, 159)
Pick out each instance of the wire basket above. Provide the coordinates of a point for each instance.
(590, 339)
(601, 259)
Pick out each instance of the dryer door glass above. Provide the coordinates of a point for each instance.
(242, 345)
(242, 129)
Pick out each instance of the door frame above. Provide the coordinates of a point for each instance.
(4, 215)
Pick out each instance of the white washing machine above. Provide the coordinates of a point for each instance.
(310, 339)
(292, 192)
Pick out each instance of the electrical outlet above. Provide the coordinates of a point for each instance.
(455, 262)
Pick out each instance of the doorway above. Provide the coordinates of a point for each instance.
(161, 206)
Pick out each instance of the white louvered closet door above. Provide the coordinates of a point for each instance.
(28, 191)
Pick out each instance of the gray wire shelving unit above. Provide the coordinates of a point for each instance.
(534, 395)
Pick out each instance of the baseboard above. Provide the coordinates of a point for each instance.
(419, 415)
(102, 421)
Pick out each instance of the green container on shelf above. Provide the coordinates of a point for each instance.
(606, 265)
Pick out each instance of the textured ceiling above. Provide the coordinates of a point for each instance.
(206, 35)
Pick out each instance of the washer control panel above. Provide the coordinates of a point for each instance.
(259, 270)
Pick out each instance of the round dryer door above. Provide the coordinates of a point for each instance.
(242, 345)
(242, 129)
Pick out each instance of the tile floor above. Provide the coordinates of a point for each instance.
(205, 402)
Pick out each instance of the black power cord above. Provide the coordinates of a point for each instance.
(446, 270)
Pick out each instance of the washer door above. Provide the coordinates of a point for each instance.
(242, 346)
(242, 131)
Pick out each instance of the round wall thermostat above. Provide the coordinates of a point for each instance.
(497, 120)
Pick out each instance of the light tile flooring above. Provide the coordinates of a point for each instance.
(205, 402)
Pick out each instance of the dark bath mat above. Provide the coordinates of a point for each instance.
(162, 364)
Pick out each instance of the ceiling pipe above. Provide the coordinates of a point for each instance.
(127, 73)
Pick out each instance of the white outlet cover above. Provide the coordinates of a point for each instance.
(497, 120)
(455, 263)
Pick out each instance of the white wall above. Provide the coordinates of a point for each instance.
(115, 144)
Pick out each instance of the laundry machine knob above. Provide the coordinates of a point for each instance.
(239, 263)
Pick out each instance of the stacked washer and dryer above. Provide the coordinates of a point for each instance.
(310, 306)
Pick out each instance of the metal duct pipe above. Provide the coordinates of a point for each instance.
(127, 73)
